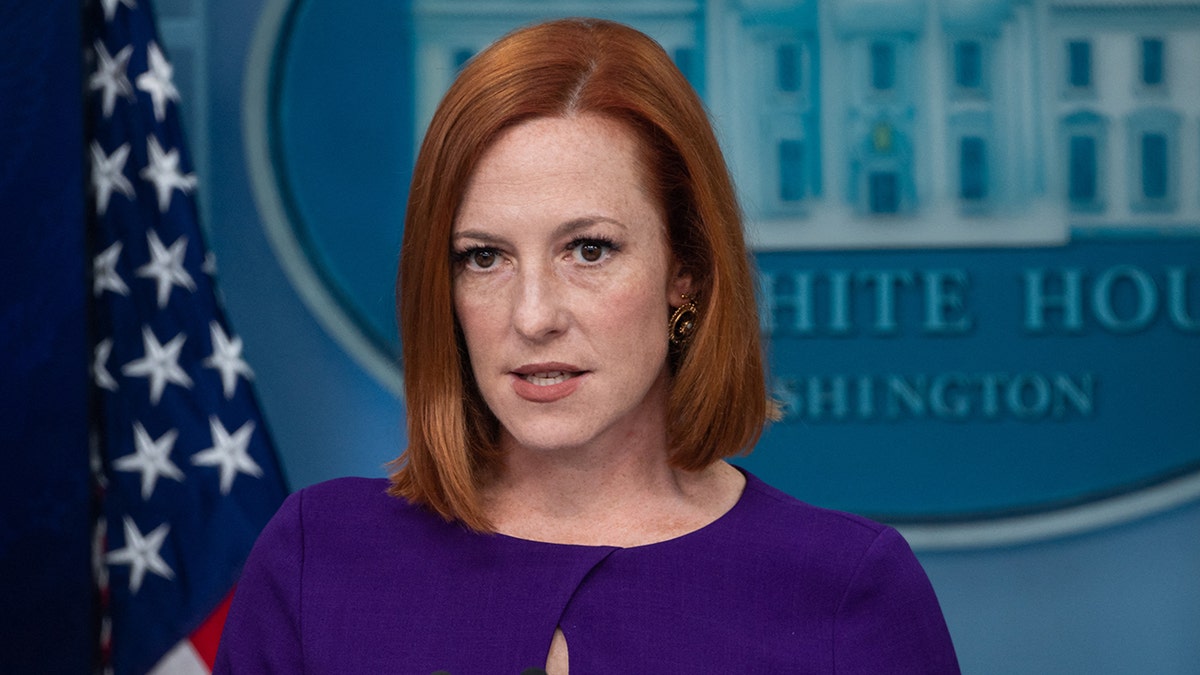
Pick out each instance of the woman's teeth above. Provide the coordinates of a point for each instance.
(547, 379)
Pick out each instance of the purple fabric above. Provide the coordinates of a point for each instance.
(346, 579)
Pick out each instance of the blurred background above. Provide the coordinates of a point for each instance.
(977, 228)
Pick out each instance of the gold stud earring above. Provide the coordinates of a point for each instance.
(682, 326)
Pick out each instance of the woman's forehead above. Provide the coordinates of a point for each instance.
(585, 166)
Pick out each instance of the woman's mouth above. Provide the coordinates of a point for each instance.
(546, 383)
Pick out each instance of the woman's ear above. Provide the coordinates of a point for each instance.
(680, 285)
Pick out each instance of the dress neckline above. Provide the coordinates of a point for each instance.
(714, 524)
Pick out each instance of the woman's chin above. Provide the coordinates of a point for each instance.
(543, 442)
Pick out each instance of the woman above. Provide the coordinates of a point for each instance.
(581, 354)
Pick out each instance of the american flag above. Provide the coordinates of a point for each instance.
(185, 472)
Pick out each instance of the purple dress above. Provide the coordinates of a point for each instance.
(346, 579)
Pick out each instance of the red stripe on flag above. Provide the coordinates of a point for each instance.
(208, 635)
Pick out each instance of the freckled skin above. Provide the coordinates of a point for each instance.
(563, 258)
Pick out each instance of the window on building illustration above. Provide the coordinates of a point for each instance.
(1154, 177)
(1079, 64)
(791, 170)
(1154, 166)
(972, 168)
(968, 64)
(461, 56)
(1081, 188)
(884, 190)
(883, 66)
(787, 67)
(1152, 62)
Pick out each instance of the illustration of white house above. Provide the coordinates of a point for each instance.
(882, 123)
(1123, 106)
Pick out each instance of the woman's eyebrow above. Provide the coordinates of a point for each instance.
(478, 235)
(575, 224)
(567, 228)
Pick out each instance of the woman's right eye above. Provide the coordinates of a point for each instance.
(479, 258)
(483, 258)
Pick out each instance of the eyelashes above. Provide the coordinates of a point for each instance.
(587, 251)
(478, 257)
(591, 250)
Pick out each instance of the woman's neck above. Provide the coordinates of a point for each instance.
(613, 496)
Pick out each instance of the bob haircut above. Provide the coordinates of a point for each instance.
(718, 404)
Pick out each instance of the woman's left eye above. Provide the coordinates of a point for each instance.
(590, 250)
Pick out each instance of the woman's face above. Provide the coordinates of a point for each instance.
(562, 282)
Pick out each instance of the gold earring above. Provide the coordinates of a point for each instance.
(682, 326)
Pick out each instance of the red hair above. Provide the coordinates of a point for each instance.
(718, 402)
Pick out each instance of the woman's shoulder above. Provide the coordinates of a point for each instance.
(350, 490)
(825, 537)
(787, 510)
(344, 506)
(888, 618)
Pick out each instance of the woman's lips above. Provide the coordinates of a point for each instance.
(546, 383)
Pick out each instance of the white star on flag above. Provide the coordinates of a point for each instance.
(104, 272)
(141, 554)
(227, 358)
(229, 453)
(160, 363)
(103, 378)
(166, 266)
(108, 175)
(109, 78)
(110, 7)
(163, 171)
(152, 457)
(157, 81)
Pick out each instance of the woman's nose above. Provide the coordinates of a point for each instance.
(539, 312)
